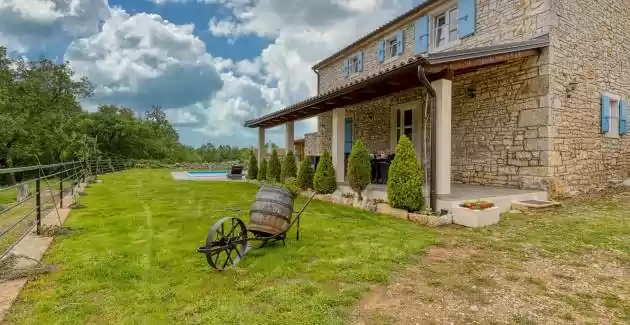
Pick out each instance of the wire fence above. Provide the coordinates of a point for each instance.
(35, 191)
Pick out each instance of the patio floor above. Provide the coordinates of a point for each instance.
(500, 196)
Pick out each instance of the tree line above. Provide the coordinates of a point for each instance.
(41, 119)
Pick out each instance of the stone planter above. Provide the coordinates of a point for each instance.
(476, 218)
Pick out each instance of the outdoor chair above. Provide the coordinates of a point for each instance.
(236, 172)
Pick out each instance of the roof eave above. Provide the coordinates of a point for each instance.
(373, 33)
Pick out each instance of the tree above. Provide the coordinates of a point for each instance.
(305, 175)
(289, 168)
(262, 171)
(324, 179)
(405, 178)
(252, 169)
(359, 168)
(274, 168)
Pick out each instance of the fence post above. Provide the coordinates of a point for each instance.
(38, 204)
(61, 190)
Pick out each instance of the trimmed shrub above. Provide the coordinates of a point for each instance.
(291, 185)
(359, 168)
(274, 168)
(324, 179)
(405, 178)
(305, 175)
(252, 169)
(262, 171)
(289, 168)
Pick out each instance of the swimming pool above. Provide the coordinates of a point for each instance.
(206, 173)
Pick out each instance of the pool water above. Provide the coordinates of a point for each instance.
(198, 173)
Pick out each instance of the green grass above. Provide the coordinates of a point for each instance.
(132, 260)
(8, 195)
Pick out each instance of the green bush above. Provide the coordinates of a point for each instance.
(359, 168)
(305, 175)
(291, 185)
(252, 169)
(274, 168)
(405, 178)
(324, 180)
(262, 171)
(289, 168)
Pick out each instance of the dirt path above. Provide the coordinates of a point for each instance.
(575, 273)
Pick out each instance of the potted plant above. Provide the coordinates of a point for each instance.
(476, 213)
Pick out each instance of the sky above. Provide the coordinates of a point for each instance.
(211, 64)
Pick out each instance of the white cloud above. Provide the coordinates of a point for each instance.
(25, 25)
(142, 59)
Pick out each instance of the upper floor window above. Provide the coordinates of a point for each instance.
(354, 65)
(445, 28)
(391, 47)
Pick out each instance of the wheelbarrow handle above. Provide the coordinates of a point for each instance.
(299, 216)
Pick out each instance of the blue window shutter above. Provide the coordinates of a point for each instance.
(623, 117)
(400, 39)
(360, 59)
(421, 39)
(346, 68)
(467, 17)
(605, 116)
(348, 135)
(380, 51)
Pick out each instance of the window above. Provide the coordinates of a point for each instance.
(404, 123)
(391, 47)
(354, 65)
(613, 118)
(445, 28)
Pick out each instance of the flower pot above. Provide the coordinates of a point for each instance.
(476, 218)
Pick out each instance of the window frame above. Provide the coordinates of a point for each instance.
(443, 11)
(401, 127)
(390, 49)
(353, 65)
(613, 122)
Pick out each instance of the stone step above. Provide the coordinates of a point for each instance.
(534, 205)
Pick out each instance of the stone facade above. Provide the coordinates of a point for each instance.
(500, 132)
(590, 55)
(371, 121)
(528, 122)
(498, 22)
(500, 136)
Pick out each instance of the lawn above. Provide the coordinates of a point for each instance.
(17, 219)
(131, 259)
(566, 266)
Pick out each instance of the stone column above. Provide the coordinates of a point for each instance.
(289, 139)
(443, 140)
(261, 145)
(337, 153)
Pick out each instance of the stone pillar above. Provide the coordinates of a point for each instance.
(289, 137)
(443, 140)
(337, 152)
(261, 145)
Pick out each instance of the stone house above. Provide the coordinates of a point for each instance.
(502, 93)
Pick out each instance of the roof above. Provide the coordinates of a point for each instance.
(402, 75)
(377, 31)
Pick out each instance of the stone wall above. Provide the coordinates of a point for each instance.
(371, 122)
(498, 22)
(590, 54)
(500, 137)
(500, 125)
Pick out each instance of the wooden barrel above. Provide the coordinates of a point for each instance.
(271, 211)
